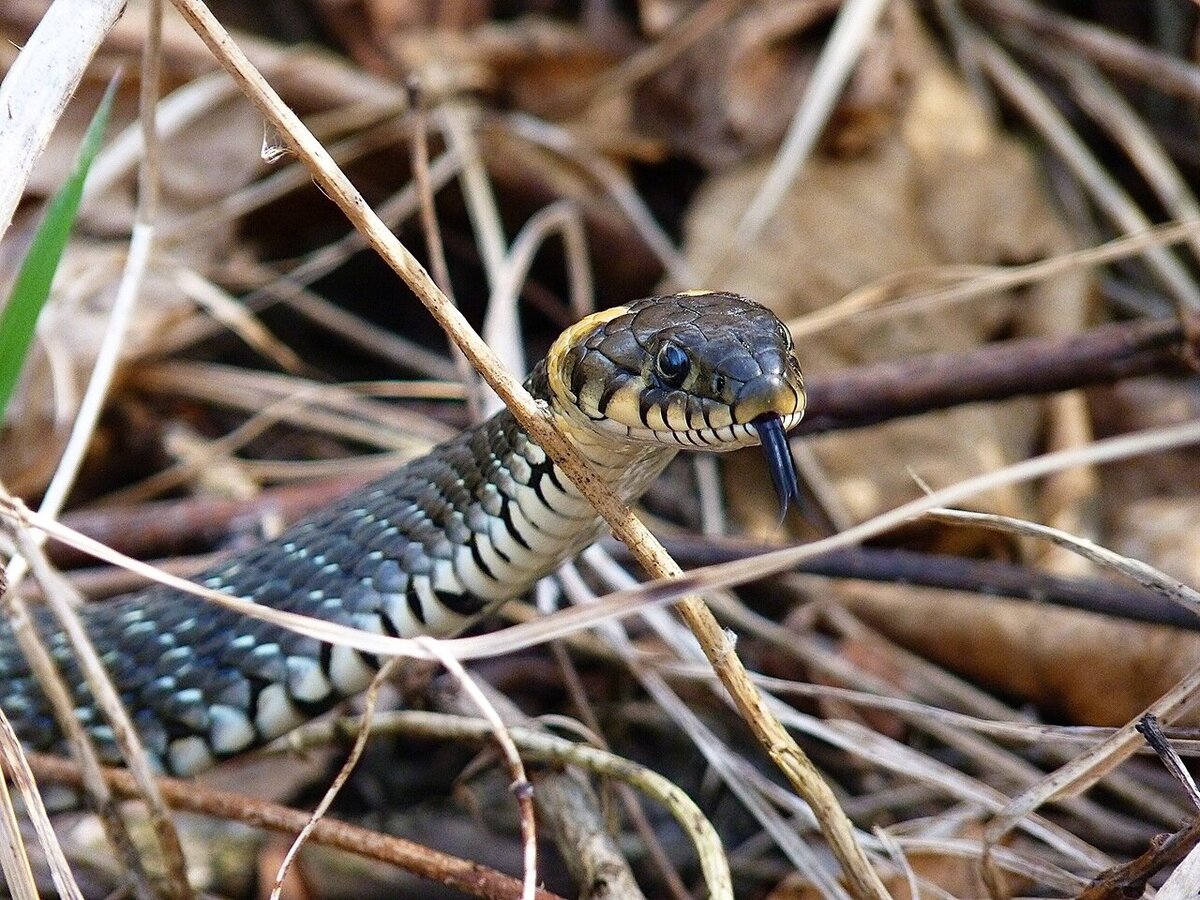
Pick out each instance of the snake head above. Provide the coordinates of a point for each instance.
(702, 370)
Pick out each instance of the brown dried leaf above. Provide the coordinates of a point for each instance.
(1139, 403)
(1077, 666)
(1150, 506)
(1161, 531)
(732, 93)
(532, 63)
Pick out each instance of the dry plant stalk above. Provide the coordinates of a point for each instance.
(779, 744)
(50, 679)
(470, 877)
(521, 786)
(41, 82)
(535, 744)
(61, 54)
(360, 742)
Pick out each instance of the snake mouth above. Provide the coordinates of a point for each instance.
(772, 434)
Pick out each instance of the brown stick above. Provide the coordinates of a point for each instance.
(870, 394)
(990, 578)
(474, 879)
(1129, 879)
(166, 527)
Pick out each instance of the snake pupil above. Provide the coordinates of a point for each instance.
(672, 364)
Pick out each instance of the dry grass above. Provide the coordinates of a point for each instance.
(919, 780)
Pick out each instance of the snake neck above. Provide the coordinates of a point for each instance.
(626, 467)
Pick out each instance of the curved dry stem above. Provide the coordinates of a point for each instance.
(542, 747)
(1145, 575)
(723, 761)
(521, 787)
(615, 183)
(884, 297)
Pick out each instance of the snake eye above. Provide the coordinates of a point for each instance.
(672, 364)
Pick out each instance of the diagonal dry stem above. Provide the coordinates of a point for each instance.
(780, 745)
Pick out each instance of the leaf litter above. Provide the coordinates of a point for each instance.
(657, 127)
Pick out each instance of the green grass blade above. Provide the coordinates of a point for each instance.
(18, 320)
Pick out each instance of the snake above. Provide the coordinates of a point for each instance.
(432, 546)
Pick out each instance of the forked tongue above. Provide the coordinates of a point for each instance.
(779, 460)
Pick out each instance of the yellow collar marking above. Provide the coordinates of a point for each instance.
(567, 340)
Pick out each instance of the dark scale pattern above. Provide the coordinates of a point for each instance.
(174, 657)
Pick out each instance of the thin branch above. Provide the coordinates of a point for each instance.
(886, 391)
(1129, 879)
(882, 298)
(434, 247)
(184, 794)
(536, 744)
(521, 786)
(1152, 731)
(347, 768)
(990, 578)
(1145, 575)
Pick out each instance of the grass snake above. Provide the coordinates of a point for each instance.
(476, 521)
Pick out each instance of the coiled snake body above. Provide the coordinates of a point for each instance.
(476, 521)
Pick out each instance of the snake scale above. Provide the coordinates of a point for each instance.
(476, 521)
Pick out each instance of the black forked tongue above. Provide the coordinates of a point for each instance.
(779, 460)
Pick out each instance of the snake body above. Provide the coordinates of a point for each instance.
(476, 521)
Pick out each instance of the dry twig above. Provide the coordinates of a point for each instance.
(182, 794)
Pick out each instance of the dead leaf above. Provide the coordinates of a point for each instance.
(733, 93)
(1075, 666)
